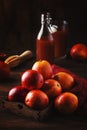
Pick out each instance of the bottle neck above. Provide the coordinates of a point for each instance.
(45, 29)
(52, 28)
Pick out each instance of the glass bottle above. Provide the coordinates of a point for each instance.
(60, 35)
(45, 42)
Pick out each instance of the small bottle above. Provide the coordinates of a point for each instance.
(45, 42)
(60, 35)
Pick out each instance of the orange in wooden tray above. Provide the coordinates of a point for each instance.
(31, 79)
(66, 103)
(37, 99)
(52, 88)
(65, 79)
(17, 94)
(43, 67)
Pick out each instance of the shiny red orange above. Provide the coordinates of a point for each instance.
(79, 51)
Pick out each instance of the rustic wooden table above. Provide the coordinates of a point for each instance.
(12, 121)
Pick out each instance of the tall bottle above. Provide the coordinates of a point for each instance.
(45, 42)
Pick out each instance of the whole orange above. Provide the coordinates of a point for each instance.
(17, 94)
(32, 79)
(66, 103)
(65, 79)
(43, 67)
(52, 88)
(79, 51)
(37, 99)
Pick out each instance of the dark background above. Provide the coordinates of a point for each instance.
(20, 21)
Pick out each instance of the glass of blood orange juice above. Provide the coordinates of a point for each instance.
(61, 40)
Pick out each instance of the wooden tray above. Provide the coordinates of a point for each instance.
(21, 109)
